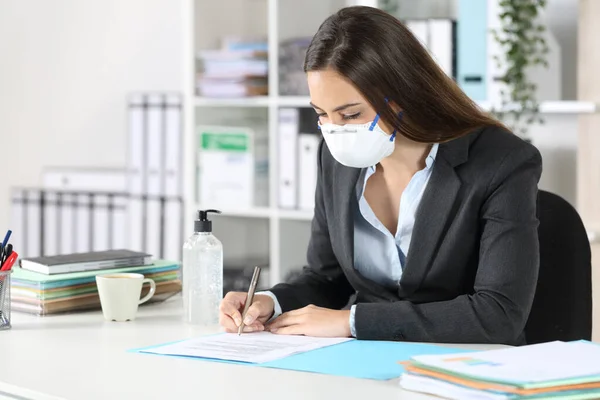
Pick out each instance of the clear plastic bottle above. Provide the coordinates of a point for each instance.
(202, 273)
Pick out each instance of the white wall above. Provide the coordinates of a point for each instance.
(66, 67)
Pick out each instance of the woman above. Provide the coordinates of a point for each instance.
(425, 223)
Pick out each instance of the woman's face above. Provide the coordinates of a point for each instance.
(337, 101)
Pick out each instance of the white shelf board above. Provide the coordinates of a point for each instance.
(555, 107)
(295, 215)
(293, 101)
(254, 212)
(546, 107)
(256, 101)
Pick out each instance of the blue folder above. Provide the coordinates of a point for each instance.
(472, 36)
(377, 360)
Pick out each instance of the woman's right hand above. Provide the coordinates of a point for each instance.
(232, 306)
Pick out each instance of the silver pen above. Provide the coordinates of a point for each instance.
(249, 297)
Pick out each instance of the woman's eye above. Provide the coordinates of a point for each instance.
(351, 116)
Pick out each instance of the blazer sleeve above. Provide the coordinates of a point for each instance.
(505, 281)
(322, 282)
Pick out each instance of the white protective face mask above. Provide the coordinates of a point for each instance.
(358, 145)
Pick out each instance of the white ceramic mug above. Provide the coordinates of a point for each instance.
(120, 295)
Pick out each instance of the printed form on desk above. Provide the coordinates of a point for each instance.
(259, 347)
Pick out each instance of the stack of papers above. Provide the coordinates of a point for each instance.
(554, 370)
(42, 294)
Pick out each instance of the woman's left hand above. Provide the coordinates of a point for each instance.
(312, 321)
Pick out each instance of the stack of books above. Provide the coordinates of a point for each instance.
(50, 285)
(238, 69)
(553, 370)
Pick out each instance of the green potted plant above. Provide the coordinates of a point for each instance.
(522, 39)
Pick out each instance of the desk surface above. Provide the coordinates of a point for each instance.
(81, 356)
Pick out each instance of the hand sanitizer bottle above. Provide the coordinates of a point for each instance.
(202, 273)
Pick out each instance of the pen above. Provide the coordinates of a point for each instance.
(249, 297)
(9, 261)
(7, 252)
(5, 241)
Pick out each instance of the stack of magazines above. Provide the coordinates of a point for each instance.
(50, 285)
(237, 69)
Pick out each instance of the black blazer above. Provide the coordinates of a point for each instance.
(472, 266)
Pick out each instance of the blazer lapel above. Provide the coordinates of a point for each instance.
(434, 214)
(345, 196)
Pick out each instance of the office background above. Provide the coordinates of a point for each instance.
(68, 69)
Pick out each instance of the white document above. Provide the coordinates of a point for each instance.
(257, 347)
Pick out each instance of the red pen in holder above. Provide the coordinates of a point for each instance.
(10, 261)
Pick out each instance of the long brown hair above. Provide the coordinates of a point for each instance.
(384, 60)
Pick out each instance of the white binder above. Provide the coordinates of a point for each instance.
(155, 156)
(420, 30)
(441, 44)
(288, 140)
(101, 220)
(50, 212)
(119, 222)
(136, 171)
(18, 219)
(67, 224)
(83, 223)
(33, 223)
(308, 148)
(173, 229)
(173, 143)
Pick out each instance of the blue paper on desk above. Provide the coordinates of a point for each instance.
(359, 359)
(356, 358)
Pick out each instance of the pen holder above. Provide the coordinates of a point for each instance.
(5, 300)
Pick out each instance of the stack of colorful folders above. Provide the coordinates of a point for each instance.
(41, 294)
(554, 370)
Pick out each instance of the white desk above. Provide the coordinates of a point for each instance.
(83, 357)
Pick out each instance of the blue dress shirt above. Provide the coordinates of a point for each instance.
(379, 255)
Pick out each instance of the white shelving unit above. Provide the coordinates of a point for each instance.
(277, 236)
(284, 229)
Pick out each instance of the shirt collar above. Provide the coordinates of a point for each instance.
(431, 156)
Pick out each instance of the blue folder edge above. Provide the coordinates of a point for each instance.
(365, 359)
